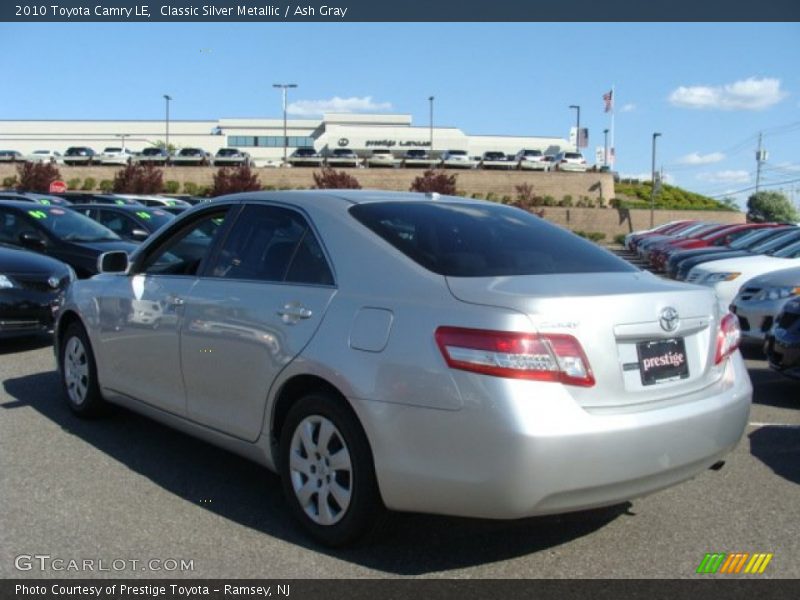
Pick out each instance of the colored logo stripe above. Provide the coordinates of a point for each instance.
(734, 563)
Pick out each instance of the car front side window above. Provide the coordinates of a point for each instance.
(183, 252)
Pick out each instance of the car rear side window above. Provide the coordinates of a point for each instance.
(271, 243)
(475, 240)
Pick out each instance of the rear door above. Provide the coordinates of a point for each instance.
(259, 303)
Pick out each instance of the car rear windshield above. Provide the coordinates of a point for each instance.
(227, 152)
(474, 240)
(573, 155)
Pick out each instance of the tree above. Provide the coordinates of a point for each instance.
(233, 180)
(331, 179)
(161, 144)
(435, 180)
(37, 177)
(138, 179)
(770, 206)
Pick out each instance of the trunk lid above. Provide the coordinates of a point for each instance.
(616, 317)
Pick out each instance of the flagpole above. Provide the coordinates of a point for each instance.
(613, 112)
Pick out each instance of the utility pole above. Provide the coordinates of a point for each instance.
(283, 87)
(577, 126)
(653, 187)
(761, 156)
(167, 98)
(431, 99)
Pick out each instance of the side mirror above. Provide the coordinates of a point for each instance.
(32, 241)
(115, 261)
(139, 235)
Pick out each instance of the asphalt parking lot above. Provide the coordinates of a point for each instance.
(126, 488)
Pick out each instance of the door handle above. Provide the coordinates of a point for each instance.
(293, 312)
(174, 300)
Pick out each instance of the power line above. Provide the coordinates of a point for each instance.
(752, 187)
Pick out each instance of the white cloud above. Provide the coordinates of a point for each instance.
(740, 176)
(695, 158)
(747, 94)
(630, 107)
(307, 108)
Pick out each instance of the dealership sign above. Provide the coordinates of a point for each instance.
(391, 143)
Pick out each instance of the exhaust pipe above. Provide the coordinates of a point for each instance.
(717, 465)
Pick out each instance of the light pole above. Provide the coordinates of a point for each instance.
(577, 127)
(430, 99)
(284, 87)
(653, 180)
(605, 147)
(167, 98)
(123, 136)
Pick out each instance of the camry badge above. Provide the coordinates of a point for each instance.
(669, 319)
(53, 282)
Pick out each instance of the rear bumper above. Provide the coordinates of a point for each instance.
(520, 449)
(755, 318)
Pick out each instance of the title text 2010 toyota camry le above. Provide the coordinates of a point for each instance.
(411, 352)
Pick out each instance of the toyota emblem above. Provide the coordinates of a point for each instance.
(669, 319)
(343, 142)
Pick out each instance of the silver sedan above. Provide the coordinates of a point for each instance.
(410, 352)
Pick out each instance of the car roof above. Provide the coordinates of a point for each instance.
(346, 198)
(133, 208)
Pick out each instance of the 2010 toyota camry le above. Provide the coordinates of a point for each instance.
(411, 352)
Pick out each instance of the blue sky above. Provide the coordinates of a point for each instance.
(708, 88)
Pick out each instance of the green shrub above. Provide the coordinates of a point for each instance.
(596, 236)
(268, 188)
(203, 190)
(89, 184)
(505, 199)
(549, 201)
(172, 186)
(105, 186)
(491, 197)
(10, 182)
(619, 239)
(189, 187)
(566, 200)
(74, 183)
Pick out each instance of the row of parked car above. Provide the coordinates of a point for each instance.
(754, 269)
(526, 159)
(48, 241)
(117, 155)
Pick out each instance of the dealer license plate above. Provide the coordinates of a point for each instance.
(662, 360)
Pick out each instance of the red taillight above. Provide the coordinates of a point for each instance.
(545, 357)
(728, 337)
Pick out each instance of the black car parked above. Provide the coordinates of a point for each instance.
(58, 232)
(79, 155)
(132, 223)
(31, 291)
(783, 341)
(45, 199)
(89, 198)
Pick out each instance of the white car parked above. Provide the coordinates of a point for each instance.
(532, 160)
(569, 161)
(727, 276)
(115, 155)
(45, 156)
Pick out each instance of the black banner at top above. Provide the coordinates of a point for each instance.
(399, 11)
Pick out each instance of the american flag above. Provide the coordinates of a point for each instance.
(608, 98)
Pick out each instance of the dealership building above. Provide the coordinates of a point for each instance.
(264, 138)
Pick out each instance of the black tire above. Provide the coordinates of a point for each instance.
(78, 372)
(365, 508)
